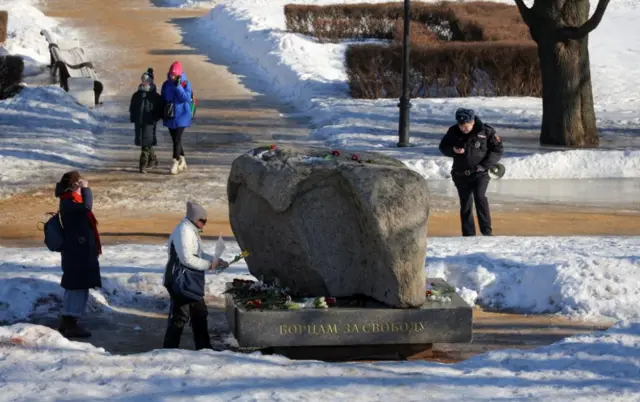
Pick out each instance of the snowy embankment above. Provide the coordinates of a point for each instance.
(23, 33)
(39, 364)
(43, 130)
(43, 133)
(311, 76)
(185, 3)
(587, 277)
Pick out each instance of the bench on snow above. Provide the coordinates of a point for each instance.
(77, 74)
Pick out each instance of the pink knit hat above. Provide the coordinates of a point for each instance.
(175, 69)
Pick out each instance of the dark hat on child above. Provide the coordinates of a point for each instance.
(148, 75)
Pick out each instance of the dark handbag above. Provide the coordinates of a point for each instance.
(54, 233)
(169, 111)
(182, 281)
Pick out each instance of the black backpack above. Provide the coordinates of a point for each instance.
(54, 232)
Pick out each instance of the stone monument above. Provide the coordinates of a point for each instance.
(336, 224)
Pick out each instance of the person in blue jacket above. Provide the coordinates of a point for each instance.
(177, 96)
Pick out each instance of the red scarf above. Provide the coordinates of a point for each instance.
(77, 199)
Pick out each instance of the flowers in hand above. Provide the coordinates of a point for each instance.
(240, 256)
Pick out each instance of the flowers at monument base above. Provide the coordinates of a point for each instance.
(257, 295)
(439, 293)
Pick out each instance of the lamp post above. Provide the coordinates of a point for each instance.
(405, 103)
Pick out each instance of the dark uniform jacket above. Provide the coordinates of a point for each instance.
(482, 147)
(145, 110)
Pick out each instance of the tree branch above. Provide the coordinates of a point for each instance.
(585, 29)
(525, 12)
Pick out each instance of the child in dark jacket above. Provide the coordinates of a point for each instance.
(145, 110)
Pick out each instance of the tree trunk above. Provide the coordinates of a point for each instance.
(568, 115)
(561, 30)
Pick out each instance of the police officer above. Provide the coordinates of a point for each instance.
(474, 147)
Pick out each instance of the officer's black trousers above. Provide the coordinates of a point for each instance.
(474, 185)
(180, 313)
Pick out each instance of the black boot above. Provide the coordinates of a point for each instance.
(71, 329)
(144, 160)
(201, 337)
(153, 159)
(152, 164)
(64, 323)
(172, 337)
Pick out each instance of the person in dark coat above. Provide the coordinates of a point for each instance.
(475, 148)
(145, 110)
(82, 247)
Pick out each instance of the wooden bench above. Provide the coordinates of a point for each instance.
(77, 74)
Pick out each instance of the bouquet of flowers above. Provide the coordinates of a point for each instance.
(237, 258)
(439, 293)
(261, 296)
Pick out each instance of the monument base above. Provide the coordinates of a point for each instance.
(354, 352)
(368, 329)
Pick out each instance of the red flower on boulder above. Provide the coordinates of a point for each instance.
(355, 157)
(335, 153)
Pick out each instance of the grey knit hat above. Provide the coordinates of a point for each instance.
(195, 212)
(147, 75)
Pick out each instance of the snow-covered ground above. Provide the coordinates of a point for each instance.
(583, 276)
(586, 277)
(43, 130)
(23, 33)
(185, 3)
(43, 133)
(312, 77)
(39, 364)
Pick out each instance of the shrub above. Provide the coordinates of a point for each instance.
(445, 70)
(419, 34)
(476, 21)
(457, 49)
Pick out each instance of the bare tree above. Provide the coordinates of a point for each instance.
(561, 29)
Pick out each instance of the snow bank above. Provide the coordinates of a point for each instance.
(311, 77)
(185, 3)
(576, 164)
(39, 337)
(45, 132)
(131, 276)
(589, 277)
(23, 36)
(39, 364)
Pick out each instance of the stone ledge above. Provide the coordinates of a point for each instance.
(433, 322)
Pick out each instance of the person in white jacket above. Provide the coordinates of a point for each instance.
(185, 245)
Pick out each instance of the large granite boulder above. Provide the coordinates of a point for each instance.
(332, 226)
